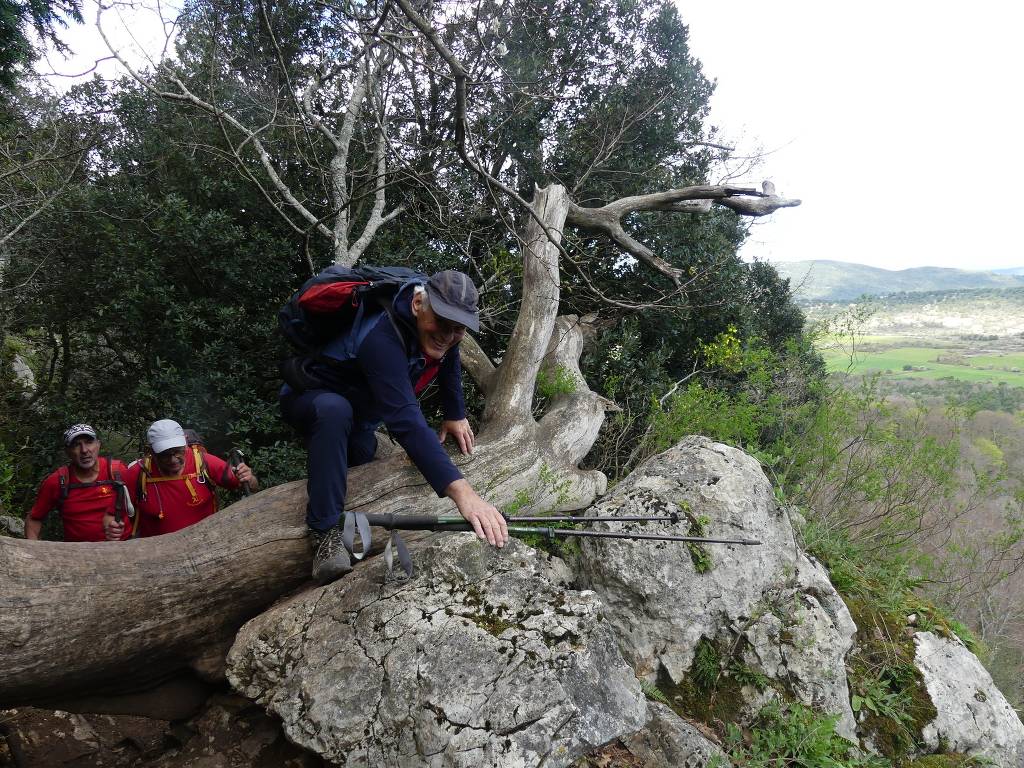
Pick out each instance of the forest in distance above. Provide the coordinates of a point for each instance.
(152, 225)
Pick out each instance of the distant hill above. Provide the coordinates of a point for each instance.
(967, 315)
(824, 280)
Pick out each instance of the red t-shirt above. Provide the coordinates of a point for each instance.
(171, 505)
(83, 509)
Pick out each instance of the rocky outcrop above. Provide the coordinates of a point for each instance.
(758, 617)
(506, 658)
(11, 526)
(229, 732)
(485, 657)
(973, 715)
(668, 741)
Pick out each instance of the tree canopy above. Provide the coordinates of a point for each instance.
(284, 136)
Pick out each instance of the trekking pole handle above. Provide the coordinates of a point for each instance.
(236, 457)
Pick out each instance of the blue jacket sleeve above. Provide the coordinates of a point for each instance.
(449, 382)
(383, 362)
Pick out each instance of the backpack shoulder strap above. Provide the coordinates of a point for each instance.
(389, 309)
(63, 478)
(114, 478)
(202, 473)
(145, 472)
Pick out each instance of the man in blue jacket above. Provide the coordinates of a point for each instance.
(371, 375)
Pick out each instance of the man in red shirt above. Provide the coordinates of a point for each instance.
(85, 492)
(172, 487)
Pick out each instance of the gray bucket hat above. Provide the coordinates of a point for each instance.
(454, 297)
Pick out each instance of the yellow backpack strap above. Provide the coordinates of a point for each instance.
(200, 463)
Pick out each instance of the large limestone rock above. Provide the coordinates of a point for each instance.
(768, 612)
(974, 717)
(668, 741)
(485, 657)
(229, 732)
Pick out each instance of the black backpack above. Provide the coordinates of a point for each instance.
(345, 290)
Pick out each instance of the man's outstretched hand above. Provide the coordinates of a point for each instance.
(485, 518)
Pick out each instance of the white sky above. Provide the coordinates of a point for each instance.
(898, 124)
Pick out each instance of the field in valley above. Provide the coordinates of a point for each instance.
(971, 335)
(913, 357)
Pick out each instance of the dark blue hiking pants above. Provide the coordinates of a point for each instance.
(335, 440)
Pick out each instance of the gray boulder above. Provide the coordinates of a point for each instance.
(668, 741)
(12, 526)
(485, 657)
(974, 718)
(770, 613)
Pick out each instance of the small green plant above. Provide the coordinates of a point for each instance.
(707, 665)
(966, 636)
(561, 382)
(521, 501)
(550, 482)
(794, 735)
(744, 675)
(654, 693)
(6, 476)
(699, 555)
(877, 696)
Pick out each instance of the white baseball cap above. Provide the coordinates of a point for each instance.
(165, 434)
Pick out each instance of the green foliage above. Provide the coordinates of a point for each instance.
(7, 468)
(967, 637)
(878, 696)
(744, 675)
(699, 554)
(702, 410)
(561, 382)
(654, 693)
(948, 761)
(793, 735)
(707, 665)
(521, 500)
(764, 408)
(19, 20)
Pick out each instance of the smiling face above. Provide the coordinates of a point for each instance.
(171, 461)
(436, 335)
(84, 453)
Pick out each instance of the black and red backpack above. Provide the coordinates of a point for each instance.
(329, 303)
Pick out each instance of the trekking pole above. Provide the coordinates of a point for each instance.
(432, 523)
(673, 518)
(236, 457)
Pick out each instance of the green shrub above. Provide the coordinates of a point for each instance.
(793, 735)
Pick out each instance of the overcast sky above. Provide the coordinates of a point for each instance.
(897, 123)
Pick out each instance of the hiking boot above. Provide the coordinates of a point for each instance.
(330, 558)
